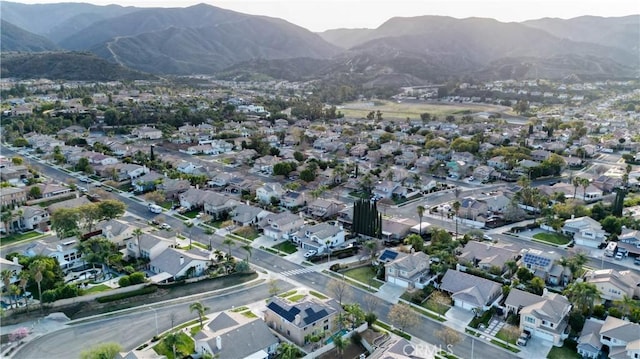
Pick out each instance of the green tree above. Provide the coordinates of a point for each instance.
(307, 175)
(111, 209)
(366, 219)
(97, 250)
(537, 285)
(420, 209)
(248, 248)
(35, 192)
(84, 166)
(137, 233)
(23, 278)
(6, 275)
(287, 351)
(582, 295)
(340, 343)
(65, 222)
(200, 309)
(456, 208)
(229, 243)
(415, 241)
(102, 351)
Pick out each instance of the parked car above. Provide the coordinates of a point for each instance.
(310, 254)
(84, 179)
(524, 338)
(637, 261)
(619, 256)
(165, 226)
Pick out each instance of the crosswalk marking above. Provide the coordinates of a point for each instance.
(297, 271)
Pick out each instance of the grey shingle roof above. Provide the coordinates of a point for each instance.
(460, 282)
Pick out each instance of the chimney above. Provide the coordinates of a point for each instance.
(181, 260)
(219, 342)
(297, 320)
(15, 260)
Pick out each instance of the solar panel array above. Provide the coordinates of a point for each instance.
(388, 255)
(289, 315)
(313, 316)
(536, 260)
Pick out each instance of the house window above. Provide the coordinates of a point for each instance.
(530, 320)
(326, 327)
(604, 337)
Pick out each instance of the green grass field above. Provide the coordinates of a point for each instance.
(563, 352)
(286, 247)
(553, 238)
(365, 275)
(404, 110)
(96, 289)
(16, 237)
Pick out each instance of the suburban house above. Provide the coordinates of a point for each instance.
(268, 191)
(50, 189)
(173, 187)
(298, 321)
(385, 189)
(324, 208)
(543, 265)
(396, 229)
(233, 335)
(470, 292)
(34, 217)
(629, 240)
(174, 264)
(247, 215)
(65, 251)
(147, 133)
(12, 196)
(613, 337)
(408, 271)
(218, 205)
(544, 317)
(614, 285)
(149, 247)
(147, 182)
(585, 231)
(282, 225)
(486, 255)
(320, 236)
(192, 198)
(116, 231)
(293, 199)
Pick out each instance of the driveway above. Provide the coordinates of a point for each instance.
(390, 293)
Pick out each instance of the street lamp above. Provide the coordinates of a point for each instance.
(155, 313)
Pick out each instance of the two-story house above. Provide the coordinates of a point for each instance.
(298, 321)
(12, 196)
(293, 199)
(320, 237)
(585, 231)
(619, 336)
(408, 271)
(283, 225)
(217, 205)
(233, 335)
(544, 317)
(65, 251)
(324, 208)
(147, 246)
(147, 133)
(13, 266)
(486, 255)
(544, 265)
(34, 217)
(116, 231)
(614, 285)
(267, 191)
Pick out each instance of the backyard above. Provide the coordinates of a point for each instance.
(553, 238)
(365, 275)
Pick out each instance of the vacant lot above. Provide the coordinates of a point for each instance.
(400, 111)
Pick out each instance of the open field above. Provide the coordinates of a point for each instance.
(394, 110)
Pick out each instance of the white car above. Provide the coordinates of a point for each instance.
(84, 179)
(165, 226)
(310, 254)
(619, 256)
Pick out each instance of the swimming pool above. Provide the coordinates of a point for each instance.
(341, 333)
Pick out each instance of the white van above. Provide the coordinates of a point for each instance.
(155, 208)
(610, 251)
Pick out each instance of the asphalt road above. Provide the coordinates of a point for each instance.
(132, 329)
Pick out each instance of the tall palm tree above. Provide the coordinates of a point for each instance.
(512, 266)
(229, 243)
(36, 268)
(24, 279)
(138, 233)
(200, 309)
(247, 248)
(340, 342)
(576, 184)
(6, 217)
(582, 295)
(456, 208)
(420, 210)
(584, 182)
(625, 304)
(6, 275)
(287, 351)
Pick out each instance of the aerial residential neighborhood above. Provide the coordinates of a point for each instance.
(490, 214)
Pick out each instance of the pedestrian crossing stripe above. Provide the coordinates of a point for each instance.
(297, 271)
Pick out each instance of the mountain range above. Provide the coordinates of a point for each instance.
(204, 39)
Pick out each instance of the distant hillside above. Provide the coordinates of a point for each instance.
(346, 38)
(58, 21)
(13, 38)
(66, 66)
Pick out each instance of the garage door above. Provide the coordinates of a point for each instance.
(462, 304)
(398, 281)
(543, 335)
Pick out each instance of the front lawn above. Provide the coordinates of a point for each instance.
(365, 275)
(435, 307)
(191, 214)
(184, 346)
(15, 237)
(286, 247)
(553, 238)
(249, 233)
(96, 289)
(567, 351)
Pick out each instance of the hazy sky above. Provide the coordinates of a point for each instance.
(330, 14)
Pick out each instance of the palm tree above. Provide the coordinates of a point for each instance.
(200, 309)
(340, 342)
(6, 217)
(138, 233)
(287, 351)
(584, 182)
(36, 269)
(625, 304)
(24, 279)
(229, 243)
(248, 248)
(456, 208)
(576, 184)
(420, 210)
(6, 275)
(582, 295)
(512, 266)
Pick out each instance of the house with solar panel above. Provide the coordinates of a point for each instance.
(298, 321)
(544, 265)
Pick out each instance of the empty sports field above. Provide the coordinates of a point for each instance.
(413, 109)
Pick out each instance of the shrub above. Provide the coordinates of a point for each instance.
(49, 296)
(599, 311)
(114, 297)
(67, 291)
(124, 281)
(136, 278)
